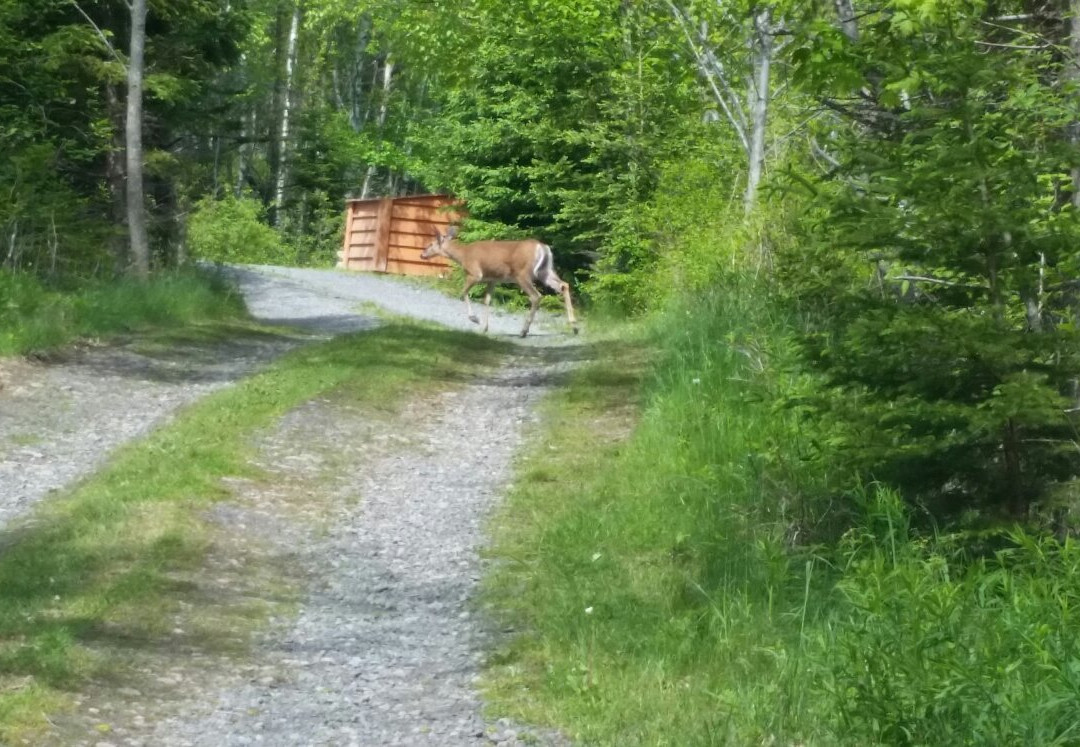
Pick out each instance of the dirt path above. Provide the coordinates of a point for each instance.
(382, 643)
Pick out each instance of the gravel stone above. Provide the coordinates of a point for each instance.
(387, 642)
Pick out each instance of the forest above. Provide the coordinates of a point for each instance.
(847, 233)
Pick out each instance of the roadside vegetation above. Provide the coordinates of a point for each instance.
(37, 316)
(842, 507)
(668, 585)
(112, 560)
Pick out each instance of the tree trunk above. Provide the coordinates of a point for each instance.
(845, 11)
(759, 105)
(384, 105)
(114, 177)
(136, 207)
(1072, 71)
(356, 76)
(246, 151)
(286, 113)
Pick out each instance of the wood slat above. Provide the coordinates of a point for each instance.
(414, 268)
(416, 241)
(388, 234)
(418, 226)
(430, 213)
(412, 254)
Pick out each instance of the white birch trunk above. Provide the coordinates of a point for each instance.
(845, 12)
(1073, 72)
(286, 112)
(136, 208)
(384, 105)
(759, 105)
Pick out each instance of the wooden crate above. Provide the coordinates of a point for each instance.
(388, 234)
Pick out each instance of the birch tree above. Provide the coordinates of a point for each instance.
(286, 111)
(384, 106)
(742, 88)
(136, 208)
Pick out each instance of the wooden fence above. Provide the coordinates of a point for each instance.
(388, 234)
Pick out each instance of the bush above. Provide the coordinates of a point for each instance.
(232, 230)
(930, 642)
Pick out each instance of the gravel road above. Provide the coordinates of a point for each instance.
(385, 646)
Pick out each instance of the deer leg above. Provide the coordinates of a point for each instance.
(487, 305)
(534, 300)
(553, 281)
(470, 281)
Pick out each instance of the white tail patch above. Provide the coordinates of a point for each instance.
(491, 262)
(543, 253)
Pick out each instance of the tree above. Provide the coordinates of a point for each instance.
(943, 259)
(745, 102)
(136, 209)
(551, 118)
(286, 109)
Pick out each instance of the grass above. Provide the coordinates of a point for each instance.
(105, 565)
(35, 317)
(663, 589)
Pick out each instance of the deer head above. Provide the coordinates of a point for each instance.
(438, 244)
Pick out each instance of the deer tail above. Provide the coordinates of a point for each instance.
(544, 261)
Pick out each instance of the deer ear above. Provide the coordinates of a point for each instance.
(451, 232)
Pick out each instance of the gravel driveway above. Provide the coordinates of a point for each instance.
(384, 649)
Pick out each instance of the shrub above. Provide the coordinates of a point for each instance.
(232, 230)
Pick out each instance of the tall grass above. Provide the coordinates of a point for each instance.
(36, 317)
(692, 585)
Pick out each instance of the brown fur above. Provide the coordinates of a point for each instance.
(524, 262)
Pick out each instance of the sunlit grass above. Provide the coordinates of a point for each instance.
(668, 585)
(35, 317)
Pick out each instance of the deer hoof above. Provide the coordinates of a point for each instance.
(576, 330)
(524, 332)
(474, 319)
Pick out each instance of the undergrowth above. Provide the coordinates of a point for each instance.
(36, 317)
(692, 584)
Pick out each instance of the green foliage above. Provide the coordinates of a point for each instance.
(666, 595)
(233, 230)
(556, 118)
(62, 107)
(688, 234)
(35, 317)
(927, 644)
(938, 266)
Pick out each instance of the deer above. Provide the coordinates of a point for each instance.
(524, 262)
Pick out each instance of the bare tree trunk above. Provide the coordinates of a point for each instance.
(845, 11)
(136, 208)
(286, 113)
(356, 76)
(384, 105)
(749, 118)
(215, 141)
(759, 104)
(246, 151)
(1073, 73)
(114, 177)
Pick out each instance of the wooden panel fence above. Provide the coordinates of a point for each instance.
(388, 234)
